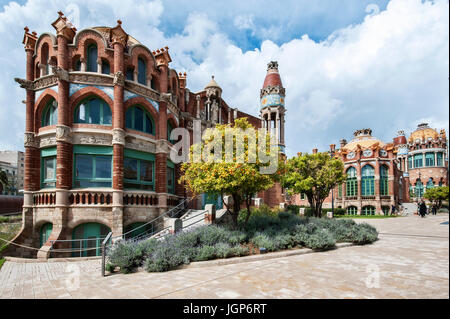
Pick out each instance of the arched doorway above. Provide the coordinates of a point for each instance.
(45, 233)
(88, 239)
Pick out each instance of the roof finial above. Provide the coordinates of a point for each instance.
(119, 22)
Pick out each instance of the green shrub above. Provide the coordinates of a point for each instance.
(364, 234)
(261, 240)
(211, 235)
(124, 254)
(284, 215)
(109, 267)
(320, 240)
(167, 255)
(205, 253)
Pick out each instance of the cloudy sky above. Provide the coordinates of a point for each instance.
(346, 65)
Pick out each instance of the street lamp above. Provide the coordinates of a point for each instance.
(419, 190)
(332, 150)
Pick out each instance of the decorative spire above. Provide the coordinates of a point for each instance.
(64, 27)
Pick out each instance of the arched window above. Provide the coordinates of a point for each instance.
(352, 184)
(386, 210)
(169, 131)
(105, 67)
(78, 65)
(419, 188)
(50, 114)
(430, 183)
(93, 111)
(368, 210)
(384, 184)
(137, 118)
(368, 181)
(129, 74)
(142, 71)
(352, 210)
(92, 58)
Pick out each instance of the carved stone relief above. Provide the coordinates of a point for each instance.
(63, 134)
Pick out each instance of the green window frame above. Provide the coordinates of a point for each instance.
(430, 183)
(93, 110)
(50, 113)
(170, 177)
(92, 55)
(439, 159)
(48, 167)
(429, 159)
(142, 162)
(137, 118)
(410, 162)
(88, 238)
(418, 189)
(92, 166)
(368, 210)
(368, 181)
(418, 160)
(142, 71)
(384, 183)
(45, 233)
(352, 210)
(352, 183)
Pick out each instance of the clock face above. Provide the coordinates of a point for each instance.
(351, 155)
(367, 153)
(383, 153)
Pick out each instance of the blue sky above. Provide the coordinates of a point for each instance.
(346, 65)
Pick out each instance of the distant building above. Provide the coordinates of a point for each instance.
(381, 174)
(12, 162)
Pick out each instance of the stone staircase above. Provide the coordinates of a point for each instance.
(193, 218)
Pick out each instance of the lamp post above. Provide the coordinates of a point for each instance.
(332, 190)
(420, 191)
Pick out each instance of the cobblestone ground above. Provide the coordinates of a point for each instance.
(411, 260)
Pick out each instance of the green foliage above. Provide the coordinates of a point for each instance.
(437, 195)
(320, 240)
(2, 261)
(205, 253)
(109, 267)
(219, 175)
(314, 175)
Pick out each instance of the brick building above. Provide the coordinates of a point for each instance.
(13, 164)
(100, 107)
(381, 174)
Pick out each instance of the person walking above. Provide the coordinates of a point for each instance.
(422, 208)
(434, 209)
(392, 209)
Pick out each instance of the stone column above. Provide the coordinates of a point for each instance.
(435, 159)
(99, 65)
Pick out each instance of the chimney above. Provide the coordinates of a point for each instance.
(333, 147)
(314, 150)
(343, 142)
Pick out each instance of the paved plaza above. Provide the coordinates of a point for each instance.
(411, 260)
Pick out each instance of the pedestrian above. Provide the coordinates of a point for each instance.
(434, 209)
(422, 208)
(392, 209)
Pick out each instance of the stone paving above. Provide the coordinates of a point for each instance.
(411, 260)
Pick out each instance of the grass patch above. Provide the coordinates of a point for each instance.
(274, 232)
(8, 231)
(2, 261)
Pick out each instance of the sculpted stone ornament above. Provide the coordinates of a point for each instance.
(25, 84)
(60, 73)
(63, 134)
(119, 79)
(166, 97)
(30, 140)
(118, 136)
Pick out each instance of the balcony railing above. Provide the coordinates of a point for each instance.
(140, 199)
(44, 198)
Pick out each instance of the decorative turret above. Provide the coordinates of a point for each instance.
(213, 89)
(272, 97)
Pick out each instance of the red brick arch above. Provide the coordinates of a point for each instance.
(86, 92)
(48, 39)
(140, 51)
(42, 101)
(147, 106)
(86, 37)
(171, 118)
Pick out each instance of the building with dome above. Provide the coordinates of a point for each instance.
(100, 108)
(426, 161)
(381, 175)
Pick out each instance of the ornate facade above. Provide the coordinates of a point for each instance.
(100, 107)
(381, 175)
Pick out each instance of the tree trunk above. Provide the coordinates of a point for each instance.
(236, 209)
(247, 204)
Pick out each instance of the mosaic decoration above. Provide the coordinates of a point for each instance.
(106, 89)
(272, 100)
(403, 150)
(38, 93)
(174, 115)
(129, 95)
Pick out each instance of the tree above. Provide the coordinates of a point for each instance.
(436, 195)
(217, 169)
(314, 175)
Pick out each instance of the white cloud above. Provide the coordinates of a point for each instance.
(389, 72)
